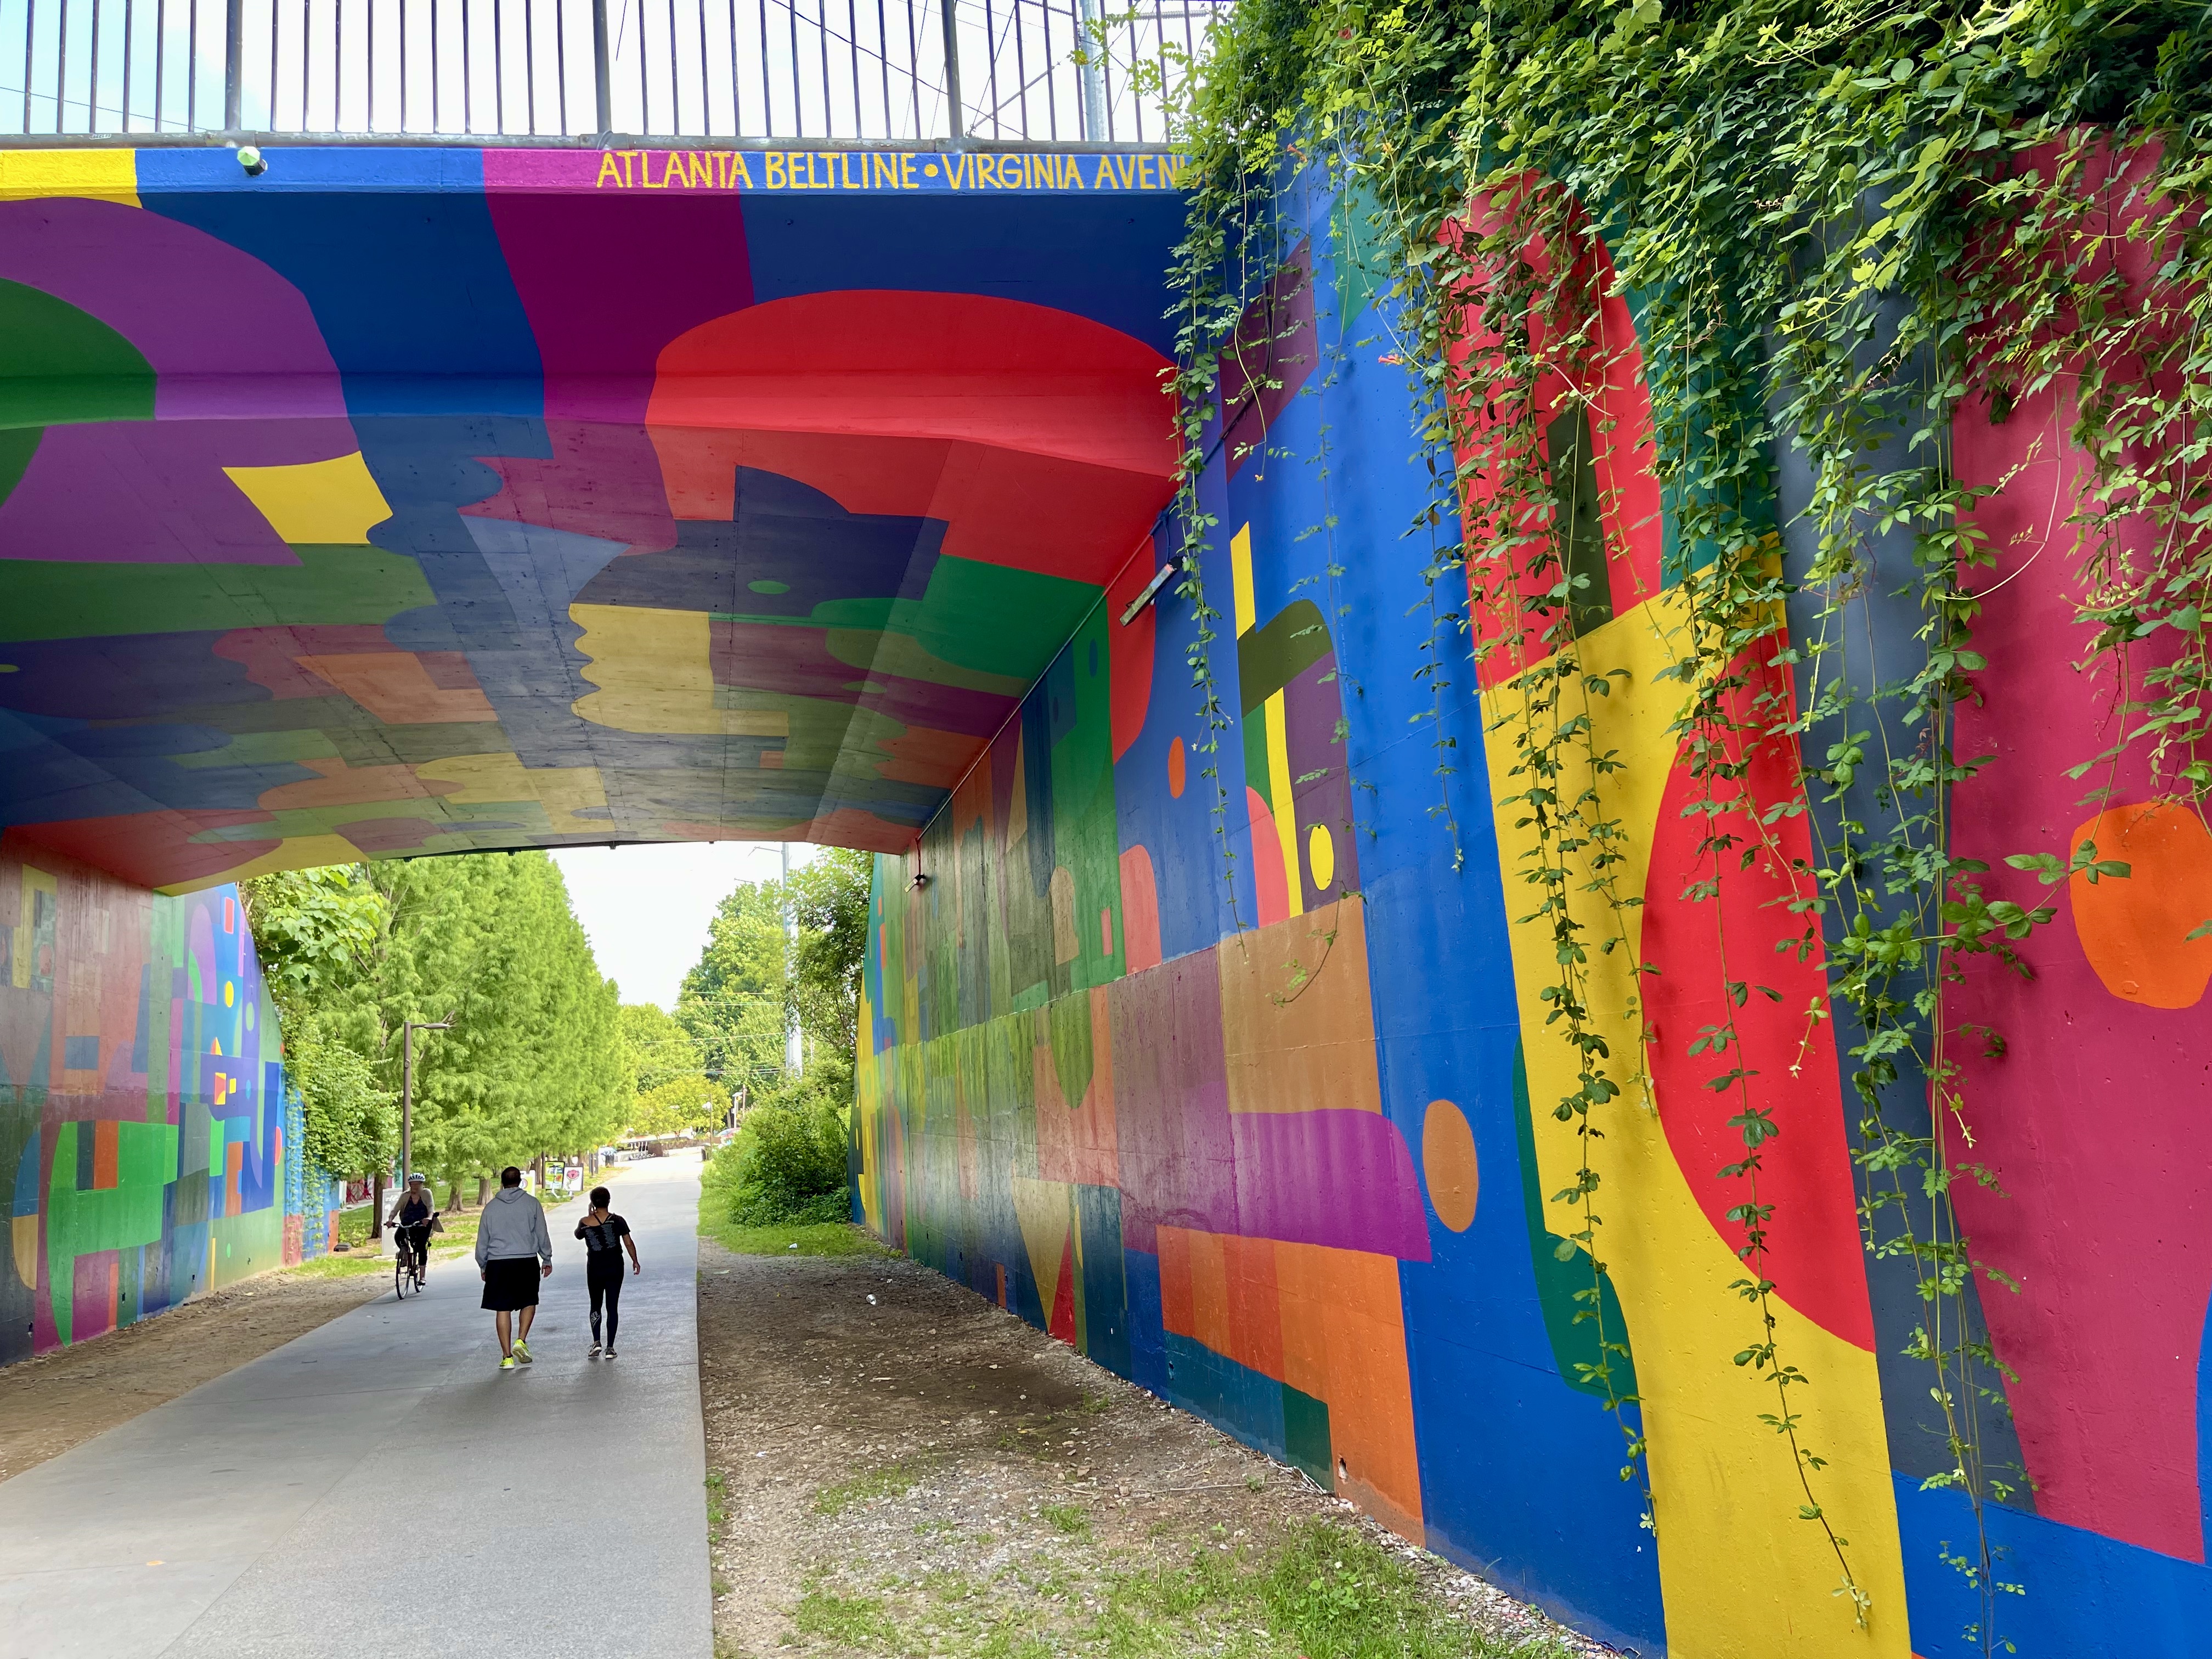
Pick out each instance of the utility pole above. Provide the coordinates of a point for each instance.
(407, 1030)
(793, 1060)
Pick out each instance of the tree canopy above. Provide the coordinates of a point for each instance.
(535, 1061)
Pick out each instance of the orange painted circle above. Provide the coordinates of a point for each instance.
(1174, 768)
(1448, 1162)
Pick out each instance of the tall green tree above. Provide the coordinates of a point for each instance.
(659, 1048)
(733, 1000)
(534, 1061)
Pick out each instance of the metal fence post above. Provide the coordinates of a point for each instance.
(233, 61)
(603, 67)
(1092, 82)
(957, 121)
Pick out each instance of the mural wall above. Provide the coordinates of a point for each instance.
(146, 1135)
(1228, 1066)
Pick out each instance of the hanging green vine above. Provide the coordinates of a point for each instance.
(1842, 226)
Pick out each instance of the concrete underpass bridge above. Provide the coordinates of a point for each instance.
(517, 424)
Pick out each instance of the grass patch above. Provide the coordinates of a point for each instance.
(812, 1238)
(892, 1480)
(1067, 1518)
(718, 1501)
(1327, 1593)
(853, 1621)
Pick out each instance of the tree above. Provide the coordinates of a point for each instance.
(681, 1105)
(733, 1000)
(534, 1062)
(659, 1048)
(830, 898)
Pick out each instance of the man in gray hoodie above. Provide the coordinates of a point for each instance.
(514, 1252)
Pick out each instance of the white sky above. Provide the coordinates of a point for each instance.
(646, 908)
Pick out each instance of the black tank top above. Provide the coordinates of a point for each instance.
(414, 1211)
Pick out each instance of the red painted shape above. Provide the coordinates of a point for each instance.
(1271, 886)
(1140, 910)
(1129, 688)
(1609, 369)
(150, 848)
(1043, 440)
(1813, 1254)
(1062, 1322)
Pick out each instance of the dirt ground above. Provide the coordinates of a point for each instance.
(896, 1466)
(53, 1402)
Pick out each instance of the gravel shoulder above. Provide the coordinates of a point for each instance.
(897, 1466)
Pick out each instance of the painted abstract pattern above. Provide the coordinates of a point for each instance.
(150, 1143)
(436, 500)
(1227, 1061)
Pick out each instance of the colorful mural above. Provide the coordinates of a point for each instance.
(149, 1142)
(1233, 1089)
(411, 501)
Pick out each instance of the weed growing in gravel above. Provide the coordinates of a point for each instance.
(718, 1508)
(852, 1621)
(892, 1480)
(1326, 1592)
(1067, 1518)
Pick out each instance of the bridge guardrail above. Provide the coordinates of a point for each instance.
(552, 71)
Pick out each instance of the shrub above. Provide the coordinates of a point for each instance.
(787, 1163)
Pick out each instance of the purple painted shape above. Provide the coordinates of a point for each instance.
(1178, 1156)
(1342, 1179)
(154, 492)
(1313, 703)
(227, 337)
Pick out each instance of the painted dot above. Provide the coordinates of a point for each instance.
(1175, 768)
(767, 586)
(8, 668)
(1448, 1164)
(929, 169)
(1320, 857)
(229, 994)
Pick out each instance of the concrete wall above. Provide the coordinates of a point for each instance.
(1255, 1109)
(146, 1135)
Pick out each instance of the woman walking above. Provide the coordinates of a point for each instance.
(605, 1237)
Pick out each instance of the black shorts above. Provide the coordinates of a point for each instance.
(511, 1282)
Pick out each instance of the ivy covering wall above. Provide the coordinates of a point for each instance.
(1686, 697)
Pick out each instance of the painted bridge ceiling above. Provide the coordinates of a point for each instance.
(402, 502)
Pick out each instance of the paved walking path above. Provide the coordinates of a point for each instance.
(380, 1486)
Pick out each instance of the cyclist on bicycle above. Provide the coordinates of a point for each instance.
(412, 1216)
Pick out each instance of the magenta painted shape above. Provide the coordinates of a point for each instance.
(1340, 1179)
(2092, 1120)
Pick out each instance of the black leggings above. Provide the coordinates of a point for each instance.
(606, 1288)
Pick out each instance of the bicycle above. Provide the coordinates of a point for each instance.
(407, 1267)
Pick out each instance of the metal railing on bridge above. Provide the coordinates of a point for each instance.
(546, 71)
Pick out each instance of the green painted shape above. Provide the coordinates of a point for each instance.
(57, 599)
(1363, 265)
(1085, 832)
(1068, 1024)
(1305, 1437)
(1275, 653)
(120, 1217)
(1557, 1281)
(60, 366)
(974, 615)
(1571, 461)
(17, 446)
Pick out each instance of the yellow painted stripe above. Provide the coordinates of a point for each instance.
(1286, 812)
(106, 175)
(1240, 567)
